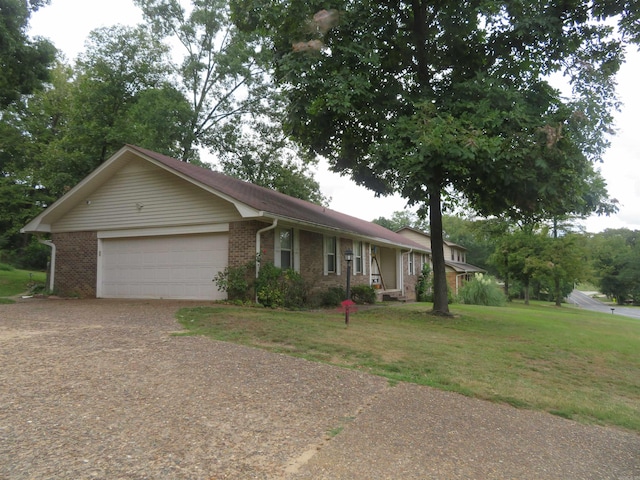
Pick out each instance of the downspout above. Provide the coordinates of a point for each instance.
(258, 251)
(52, 266)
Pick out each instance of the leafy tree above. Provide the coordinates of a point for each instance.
(116, 94)
(272, 164)
(403, 218)
(534, 259)
(563, 263)
(234, 113)
(51, 139)
(615, 260)
(221, 73)
(518, 255)
(24, 62)
(435, 99)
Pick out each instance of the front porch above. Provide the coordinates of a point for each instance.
(392, 295)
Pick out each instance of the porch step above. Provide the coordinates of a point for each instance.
(393, 297)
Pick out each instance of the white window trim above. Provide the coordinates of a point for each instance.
(295, 249)
(325, 253)
(363, 262)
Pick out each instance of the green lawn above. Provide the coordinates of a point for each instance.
(15, 282)
(573, 363)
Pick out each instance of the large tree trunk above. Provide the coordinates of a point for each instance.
(440, 296)
(556, 284)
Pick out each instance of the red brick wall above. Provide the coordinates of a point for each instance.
(312, 264)
(311, 259)
(242, 242)
(242, 248)
(76, 264)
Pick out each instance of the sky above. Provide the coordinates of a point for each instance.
(67, 23)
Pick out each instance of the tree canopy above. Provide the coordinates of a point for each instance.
(124, 88)
(24, 62)
(439, 100)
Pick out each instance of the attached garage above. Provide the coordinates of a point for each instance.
(176, 266)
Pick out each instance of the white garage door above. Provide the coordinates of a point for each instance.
(178, 266)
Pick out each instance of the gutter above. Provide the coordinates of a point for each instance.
(258, 233)
(52, 265)
(258, 251)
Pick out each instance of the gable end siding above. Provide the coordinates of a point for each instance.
(142, 195)
(76, 264)
(416, 237)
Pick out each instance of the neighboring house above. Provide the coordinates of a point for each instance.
(144, 225)
(457, 269)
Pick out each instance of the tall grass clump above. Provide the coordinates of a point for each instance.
(482, 290)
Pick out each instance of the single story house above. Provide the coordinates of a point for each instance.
(457, 269)
(144, 225)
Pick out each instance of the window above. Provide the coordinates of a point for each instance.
(357, 258)
(412, 268)
(331, 248)
(286, 248)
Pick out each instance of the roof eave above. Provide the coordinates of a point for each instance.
(328, 228)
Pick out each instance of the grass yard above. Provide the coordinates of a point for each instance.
(14, 282)
(573, 363)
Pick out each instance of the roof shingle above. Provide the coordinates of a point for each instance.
(276, 204)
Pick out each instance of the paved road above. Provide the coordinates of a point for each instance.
(585, 301)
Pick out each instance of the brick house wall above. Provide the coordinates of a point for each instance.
(76, 265)
(312, 264)
(242, 241)
(242, 248)
(77, 259)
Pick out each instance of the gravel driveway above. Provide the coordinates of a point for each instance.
(102, 389)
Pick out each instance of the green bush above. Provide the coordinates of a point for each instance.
(274, 287)
(295, 290)
(424, 286)
(363, 294)
(482, 290)
(6, 268)
(333, 297)
(278, 288)
(32, 255)
(236, 281)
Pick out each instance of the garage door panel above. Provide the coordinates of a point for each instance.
(180, 266)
